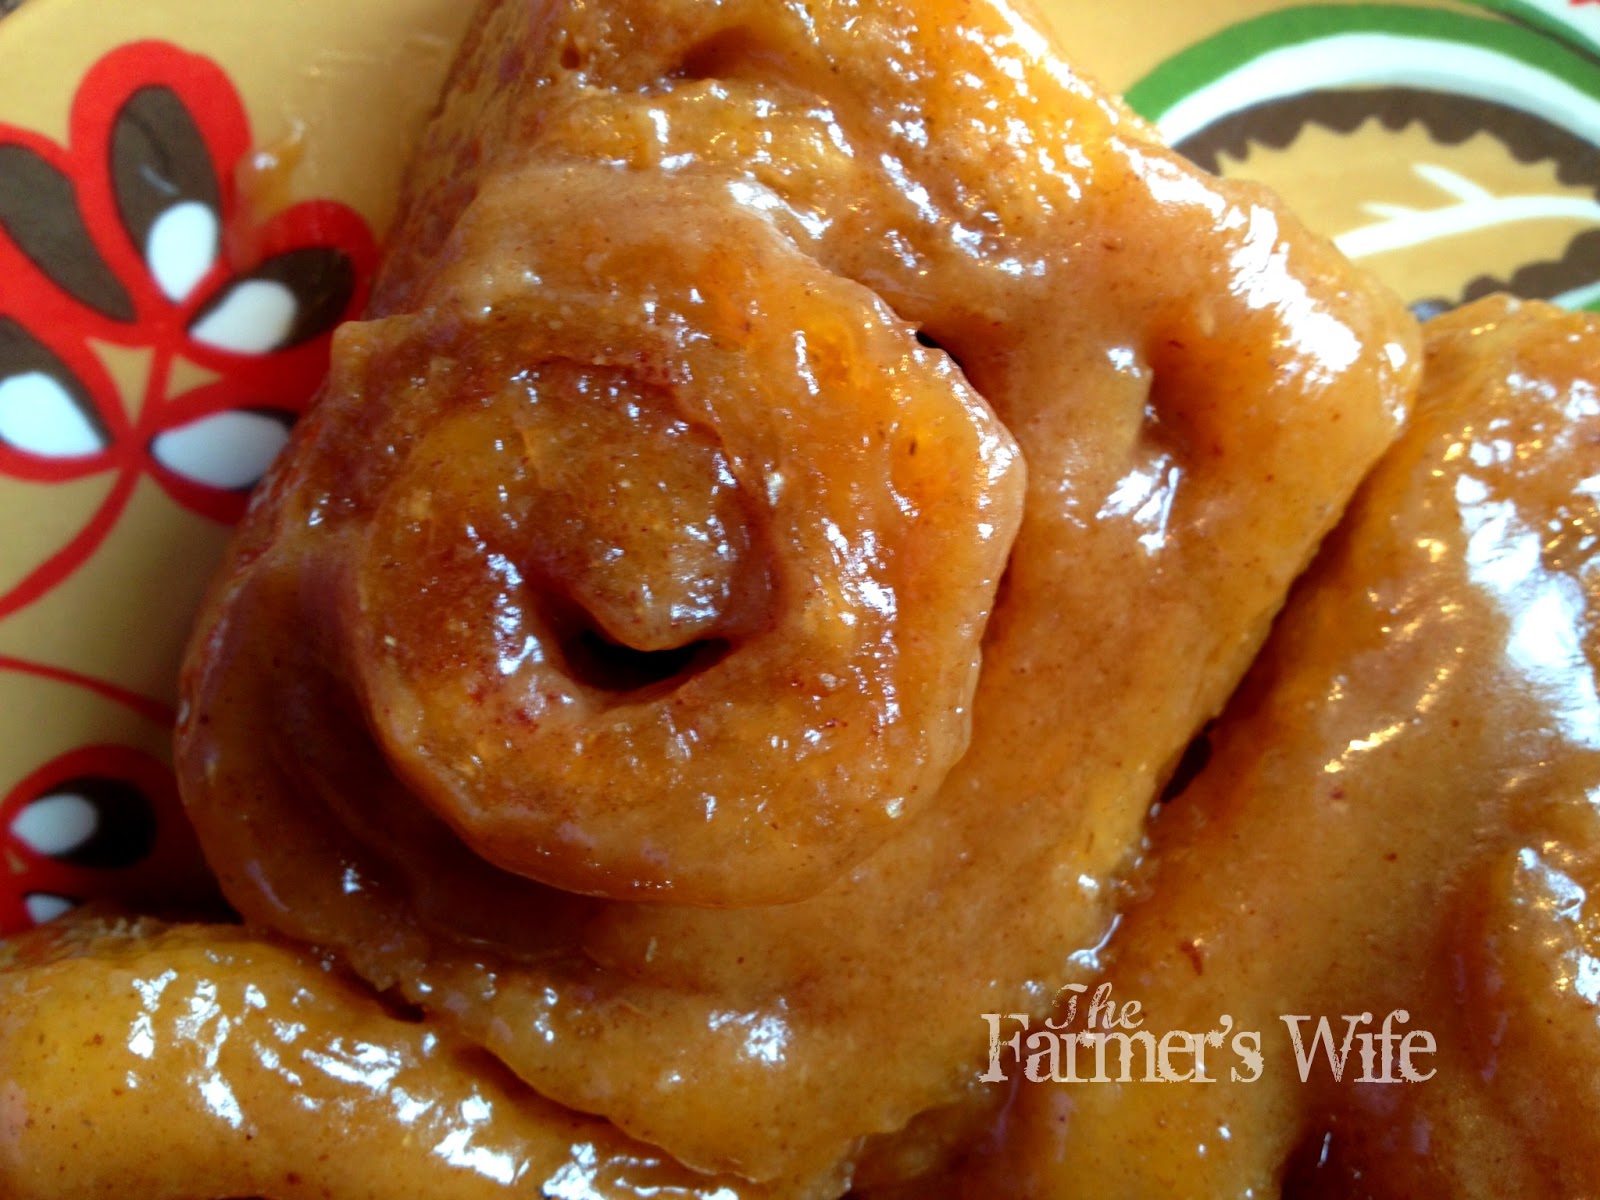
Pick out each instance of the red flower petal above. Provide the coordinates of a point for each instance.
(100, 822)
(133, 234)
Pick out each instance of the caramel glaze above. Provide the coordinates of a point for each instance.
(584, 419)
(1400, 813)
(175, 1062)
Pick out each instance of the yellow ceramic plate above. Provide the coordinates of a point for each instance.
(1450, 146)
(190, 197)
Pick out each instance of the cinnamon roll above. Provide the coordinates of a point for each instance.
(649, 658)
(1398, 818)
(174, 1061)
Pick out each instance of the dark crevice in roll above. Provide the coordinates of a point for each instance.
(726, 54)
(1190, 763)
(593, 659)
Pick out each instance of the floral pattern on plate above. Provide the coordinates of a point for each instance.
(134, 236)
(156, 324)
(98, 821)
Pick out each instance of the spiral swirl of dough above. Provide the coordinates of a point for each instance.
(644, 488)
(676, 589)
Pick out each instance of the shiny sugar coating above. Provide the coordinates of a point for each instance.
(922, 233)
(1399, 815)
(169, 1062)
(677, 592)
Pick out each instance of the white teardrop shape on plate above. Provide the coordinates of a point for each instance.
(56, 824)
(42, 906)
(39, 416)
(181, 248)
(224, 450)
(254, 317)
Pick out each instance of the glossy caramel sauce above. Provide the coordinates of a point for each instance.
(1399, 815)
(807, 474)
(179, 1061)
